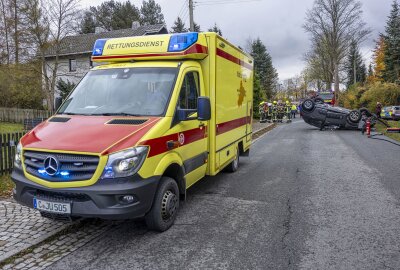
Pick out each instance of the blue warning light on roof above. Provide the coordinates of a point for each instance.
(181, 42)
(98, 47)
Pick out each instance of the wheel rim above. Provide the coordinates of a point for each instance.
(308, 104)
(354, 116)
(169, 205)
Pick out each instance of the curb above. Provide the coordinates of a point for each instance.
(258, 133)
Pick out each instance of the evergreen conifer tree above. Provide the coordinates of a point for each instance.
(179, 26)
(392, 45)
(215, 29)
(264, 68)
(151, 13)
(355, 63)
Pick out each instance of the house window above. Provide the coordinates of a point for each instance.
(72, 65)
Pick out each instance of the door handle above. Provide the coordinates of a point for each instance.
(172, 145)
(201, 125)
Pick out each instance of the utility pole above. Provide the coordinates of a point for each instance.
(191, 15)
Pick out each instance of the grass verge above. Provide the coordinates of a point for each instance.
(10, 127)
(382, 129)
(6, 186)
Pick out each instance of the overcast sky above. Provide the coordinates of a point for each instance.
(277, 22)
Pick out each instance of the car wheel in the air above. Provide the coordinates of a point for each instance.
(308, 105)
(354, 116)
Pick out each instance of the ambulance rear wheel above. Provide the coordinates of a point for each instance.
(165, 206)
(234, 165)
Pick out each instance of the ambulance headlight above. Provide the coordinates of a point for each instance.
(125, 163)
(18, 156)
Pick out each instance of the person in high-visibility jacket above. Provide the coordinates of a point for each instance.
(294, 110)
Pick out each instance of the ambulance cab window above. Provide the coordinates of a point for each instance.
(189, 91)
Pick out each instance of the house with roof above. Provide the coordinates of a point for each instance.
(76, 51)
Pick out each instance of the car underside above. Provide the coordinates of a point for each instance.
(316, 113)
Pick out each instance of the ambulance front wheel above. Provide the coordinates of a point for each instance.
(234, 165)
(165, 206)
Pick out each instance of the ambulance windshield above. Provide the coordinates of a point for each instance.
(122, 91)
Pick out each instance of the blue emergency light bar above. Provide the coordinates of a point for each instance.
(98, 47)
(181, 42)
(177, 43)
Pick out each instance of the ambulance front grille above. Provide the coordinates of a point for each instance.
(70, 167)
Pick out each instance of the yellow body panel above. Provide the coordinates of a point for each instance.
(226, 78)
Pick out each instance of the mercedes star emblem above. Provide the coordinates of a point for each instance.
(51, 165)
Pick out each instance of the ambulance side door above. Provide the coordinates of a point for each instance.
(192, 133)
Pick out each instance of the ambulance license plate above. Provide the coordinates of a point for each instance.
(52, 207)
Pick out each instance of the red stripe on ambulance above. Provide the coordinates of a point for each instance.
(233, 124)
(233, 59)
(159, 145)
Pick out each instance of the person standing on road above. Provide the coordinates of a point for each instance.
(378, 109)
(294, 110)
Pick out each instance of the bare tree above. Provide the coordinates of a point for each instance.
(50, 21)
(5, 30)
(334, 24)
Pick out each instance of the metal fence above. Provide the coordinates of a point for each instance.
(8, 144)
(16, 115)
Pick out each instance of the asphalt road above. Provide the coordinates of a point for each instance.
(304, 199)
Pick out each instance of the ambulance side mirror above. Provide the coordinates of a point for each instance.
(203, 108)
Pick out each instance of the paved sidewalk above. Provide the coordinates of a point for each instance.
(21, 227)
(76, 236)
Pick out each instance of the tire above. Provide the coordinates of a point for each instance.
(165, 206)
(308, 105)
(234, 165)
(319, 100)
(354, 116)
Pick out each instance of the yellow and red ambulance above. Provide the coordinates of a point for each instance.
(156, 115)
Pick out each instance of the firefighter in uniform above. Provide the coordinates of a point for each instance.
(274, 111)
(261, 111)
(288, 108)
(280, 111)
(269, 119)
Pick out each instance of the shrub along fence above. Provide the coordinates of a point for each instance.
(15, 115)
(8, 145)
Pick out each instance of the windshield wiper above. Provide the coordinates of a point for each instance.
(117, 114)
(68, 113)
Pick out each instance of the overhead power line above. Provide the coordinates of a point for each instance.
(223, 2)
(183, 9)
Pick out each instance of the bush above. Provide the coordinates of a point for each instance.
(367, 96)
(385, 93)
(20, 86)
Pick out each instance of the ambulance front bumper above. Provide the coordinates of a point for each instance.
(105, 199)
